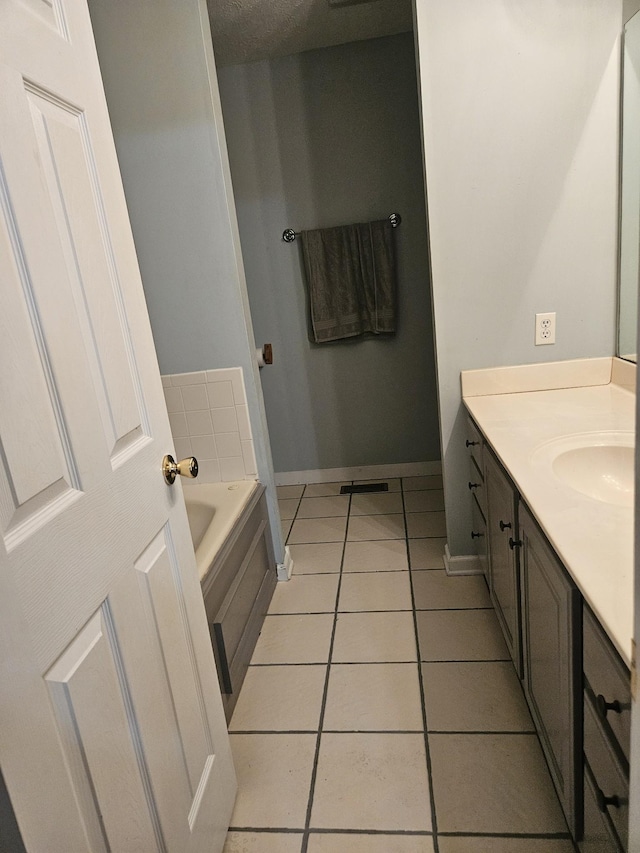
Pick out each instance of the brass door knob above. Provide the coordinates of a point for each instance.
(186, 468)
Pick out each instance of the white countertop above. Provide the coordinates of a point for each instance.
(593, 539)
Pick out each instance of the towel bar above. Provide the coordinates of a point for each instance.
(289, 235)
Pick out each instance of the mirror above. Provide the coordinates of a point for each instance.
(629, 261)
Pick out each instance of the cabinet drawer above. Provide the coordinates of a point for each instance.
(608, 678)
(609, 778)
(474, 443)
(477, 486)
(599, 835)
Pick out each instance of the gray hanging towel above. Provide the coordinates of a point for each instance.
(351, 278)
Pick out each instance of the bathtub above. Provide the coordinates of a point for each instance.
(212, 510)
(231, 536)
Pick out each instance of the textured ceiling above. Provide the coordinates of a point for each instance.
(249, 30)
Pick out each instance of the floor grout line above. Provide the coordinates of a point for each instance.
(425, 722)
(314, 771)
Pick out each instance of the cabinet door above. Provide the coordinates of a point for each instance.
(503, 559)
(552, 662)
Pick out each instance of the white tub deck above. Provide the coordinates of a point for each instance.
(213, 509)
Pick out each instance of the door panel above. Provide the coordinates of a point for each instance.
(112, 734)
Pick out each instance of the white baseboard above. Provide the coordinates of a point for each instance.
(285, 569)
(469, 564)
(362, 472)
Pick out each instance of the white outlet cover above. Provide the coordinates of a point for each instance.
(545, 329)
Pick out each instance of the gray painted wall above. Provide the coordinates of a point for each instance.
(158, 69)
(521, 161)
(317, 139)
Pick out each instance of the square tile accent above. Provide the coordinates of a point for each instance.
(310, 530)
(199, 423)
(414, 484)
(427, 553)
(437, 591)
(220, 395)
(374, 637)
(263, 842)
(373, 697)
(224, 420)
(316, 559)
(306, 594)
(274, 777)
(203, 447)
(280, 698)
(178, 424)
(375, 591)
(288, 508)
(173, 399)
(290, 491)
(392, 482)
(513, 844)
(474, 697)
(294, 639)
(233, 468)
(370, 527)
(228, 444)
(321, 490)
(381, 503)
(421, 524)
(335, 505)
(388, 555)
(334, 842)
(427, 500)
(493, 783)
(450, 635)
(194, 398)
(210, 409)
(372, 781)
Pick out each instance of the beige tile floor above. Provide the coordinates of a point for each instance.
(380, 713)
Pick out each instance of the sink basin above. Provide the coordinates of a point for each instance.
(599, 465)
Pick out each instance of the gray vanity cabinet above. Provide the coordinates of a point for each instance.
(504, 581)
(607, 733)
(552, 657)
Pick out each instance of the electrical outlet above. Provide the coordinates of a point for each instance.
(545, 329)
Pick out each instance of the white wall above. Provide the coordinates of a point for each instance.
(156, 58)
(520, 135)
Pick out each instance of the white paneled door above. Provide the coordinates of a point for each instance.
(112, 735)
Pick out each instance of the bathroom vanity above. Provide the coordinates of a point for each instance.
(551, 472)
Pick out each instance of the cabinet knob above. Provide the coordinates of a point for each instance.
(504, 525)
(474, 486)
(514, 543)
(604, 706)
(476, 535)
(604, 802)
(471, 443)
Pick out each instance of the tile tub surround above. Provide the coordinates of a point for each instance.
(379, 698)
(210, 420)
(593, 539)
